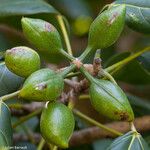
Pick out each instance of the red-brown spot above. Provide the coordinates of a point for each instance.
(41, 86)
(113, 18)
(12, 51)
(123, 115)
(49, 27)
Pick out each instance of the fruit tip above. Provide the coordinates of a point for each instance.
(25, 19)
(64, 144)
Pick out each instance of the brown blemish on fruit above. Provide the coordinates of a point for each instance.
(49, 27)
(113, 18)
(13, 51)
(123, 115)
(41, 86)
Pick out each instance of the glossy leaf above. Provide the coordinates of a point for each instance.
(102, 144)
(9, 82)
(12, 11)
(24, 7)
(131, 141)
(132, 73)
(137, 15)
(5, 126)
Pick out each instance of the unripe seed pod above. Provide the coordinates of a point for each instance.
(57, 124)
(42, 85)
(43, 35)
(107, 27)
(108, 99)
(22, 60)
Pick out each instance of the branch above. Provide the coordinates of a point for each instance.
(91, 134)
(94, 122)
(9, 30)
(22, 137)
(27, 117)
(24, 109)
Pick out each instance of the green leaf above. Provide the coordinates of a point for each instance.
(11, 12)
(132, 72)
(9, 82)
(129, 141)
(24, 7)
(5, 126)
(102, 144)
(144, 59)
(19, 8)
(137, 15)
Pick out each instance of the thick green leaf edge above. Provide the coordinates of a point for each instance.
(5, 136)
(137, 14)
(133, 135)
(8, 7)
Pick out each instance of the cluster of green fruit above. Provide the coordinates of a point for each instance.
(57, 121)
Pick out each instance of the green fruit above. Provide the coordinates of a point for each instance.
(57, 124)
(107, 27)
(43, 36)
(108, 99)
(22, 60)
(42, 85)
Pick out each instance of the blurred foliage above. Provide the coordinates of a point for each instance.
(9, 82)
(6, 132)
(140, 106)
(79, 14)
(131, 140)
(132, 73)
(144, 59)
